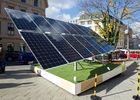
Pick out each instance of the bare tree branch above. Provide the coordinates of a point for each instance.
(110, 13)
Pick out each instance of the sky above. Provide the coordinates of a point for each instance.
(65, 10)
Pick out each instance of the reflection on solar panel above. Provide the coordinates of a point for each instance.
(102, 43)
(69, 53)
(22, 20)
(91, 48)
(94, 43)
(42, 24)
(68, 27)
(43, 50)
(54, 42)
(79, 47)
(56, 25)
(76, 27)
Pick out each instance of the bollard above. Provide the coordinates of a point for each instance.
(95, 84)
(94, 96)
(75, 79)
(137, 97)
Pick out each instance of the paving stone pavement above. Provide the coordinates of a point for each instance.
(19, 83)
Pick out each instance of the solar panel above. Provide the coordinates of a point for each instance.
(55, 42)
(56, 26)
(42, 23)
(102, 43)
(87, 30)
(84, 30)
(78, 31)
(67, 51)
(22, 20)
(90, 47)
(94, 43)
(68, 27)
(79, 47)
(43, 50)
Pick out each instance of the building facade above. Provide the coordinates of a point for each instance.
(125, 39)
(136, 41)
(9, 36)
(85, 20)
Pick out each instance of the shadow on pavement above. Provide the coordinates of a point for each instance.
(12, 85)
(17, 74)
(113, 82)
(116, 93)
(12, 63)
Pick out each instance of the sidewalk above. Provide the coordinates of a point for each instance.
(19, 83)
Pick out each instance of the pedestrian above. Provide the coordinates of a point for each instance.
(2, 59)
(110, 57)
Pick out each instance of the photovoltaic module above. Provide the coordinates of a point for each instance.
(55, 42)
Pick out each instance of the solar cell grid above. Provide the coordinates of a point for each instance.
(102, 43)
(67, 51)
(94, 43)
(78, 30)
(52, 48)
(90, 47)
(85, 30)
(80, 48)
(55, 24)
(22, 20)
(42, 23)
(68, 27)
(43, 50)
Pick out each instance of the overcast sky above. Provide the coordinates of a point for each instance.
(62, 9)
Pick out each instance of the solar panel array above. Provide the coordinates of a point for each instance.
(55, 42)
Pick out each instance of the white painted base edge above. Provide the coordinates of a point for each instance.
(71, 87)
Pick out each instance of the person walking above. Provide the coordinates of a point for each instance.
(2, 59)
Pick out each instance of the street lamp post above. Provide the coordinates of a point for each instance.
(127, 33)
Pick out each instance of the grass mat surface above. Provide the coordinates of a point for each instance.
(88, 71)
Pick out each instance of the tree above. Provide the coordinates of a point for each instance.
(111, 14)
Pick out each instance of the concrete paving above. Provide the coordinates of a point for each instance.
(19, 83)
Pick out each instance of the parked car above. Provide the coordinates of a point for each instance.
(12, 56)
(25, 57)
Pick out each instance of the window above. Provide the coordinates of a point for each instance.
(89, 22)
(96, 28)
(22, 47)
(10, 29)
(10, 7)
(82, 22)
(83, 17)
(36, 13)
(36, 3)
(10, 47)
(23, 1)
(23, 10)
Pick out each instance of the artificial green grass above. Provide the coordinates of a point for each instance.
(90, 69)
